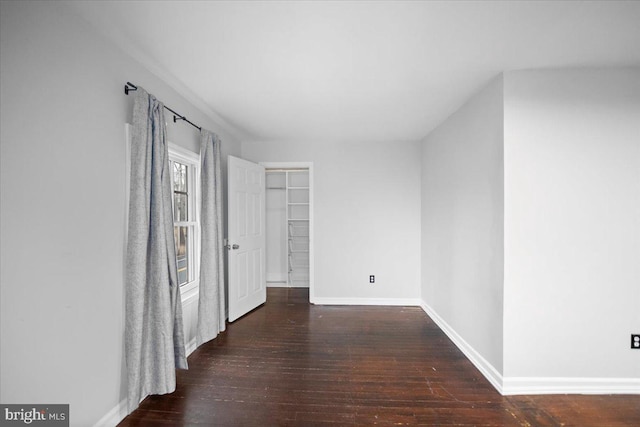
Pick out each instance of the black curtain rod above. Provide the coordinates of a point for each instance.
(130, 87)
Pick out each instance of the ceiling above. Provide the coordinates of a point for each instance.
(357, 71)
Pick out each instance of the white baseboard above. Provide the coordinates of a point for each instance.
(367, 301)
(509, 386)
(485, 368)
(119, 412)
(190, 347)
(114, 416)
(285, 285)
(559, 385)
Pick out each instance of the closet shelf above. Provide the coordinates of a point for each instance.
(295, 205)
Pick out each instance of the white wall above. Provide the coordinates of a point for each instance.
(62, 200)
(572, 229)
(462, 215)
(367, 216)
(530, 207)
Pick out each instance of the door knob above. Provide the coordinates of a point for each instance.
(235, 246)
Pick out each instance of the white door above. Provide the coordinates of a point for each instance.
(246, 242)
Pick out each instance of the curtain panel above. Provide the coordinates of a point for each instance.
(211, 304)
(154, 337)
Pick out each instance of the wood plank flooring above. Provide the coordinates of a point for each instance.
(290, 363)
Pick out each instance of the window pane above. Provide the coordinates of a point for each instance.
(180, 193)
(181, 236)
(180, 207)
(179, 177)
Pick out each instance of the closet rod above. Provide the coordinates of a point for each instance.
(130, 87)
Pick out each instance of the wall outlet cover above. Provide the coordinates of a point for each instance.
(635, 341)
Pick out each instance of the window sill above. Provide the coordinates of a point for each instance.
(189, 291)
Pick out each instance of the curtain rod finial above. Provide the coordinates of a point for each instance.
(129, 88)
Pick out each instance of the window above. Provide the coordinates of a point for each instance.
(185, 182)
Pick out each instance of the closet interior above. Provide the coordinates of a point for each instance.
(287, 221)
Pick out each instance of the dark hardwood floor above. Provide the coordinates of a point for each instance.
(290, 363)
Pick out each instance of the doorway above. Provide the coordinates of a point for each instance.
(289, 225)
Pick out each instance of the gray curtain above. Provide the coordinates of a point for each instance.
(211, 304)
(154, 343)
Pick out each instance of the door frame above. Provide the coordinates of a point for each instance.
(309, 166)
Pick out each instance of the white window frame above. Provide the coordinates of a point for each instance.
(192, 160)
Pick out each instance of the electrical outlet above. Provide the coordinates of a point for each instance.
(372, 279)
(635, 341)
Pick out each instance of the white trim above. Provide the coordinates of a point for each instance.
(127, 184)
(192, 293)
(485, 368)
(281, 284)
(178, 152)
(367, 301)
(114, 416)
(558, 385)
(182, 155)
(191, 346)
(119, 412)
